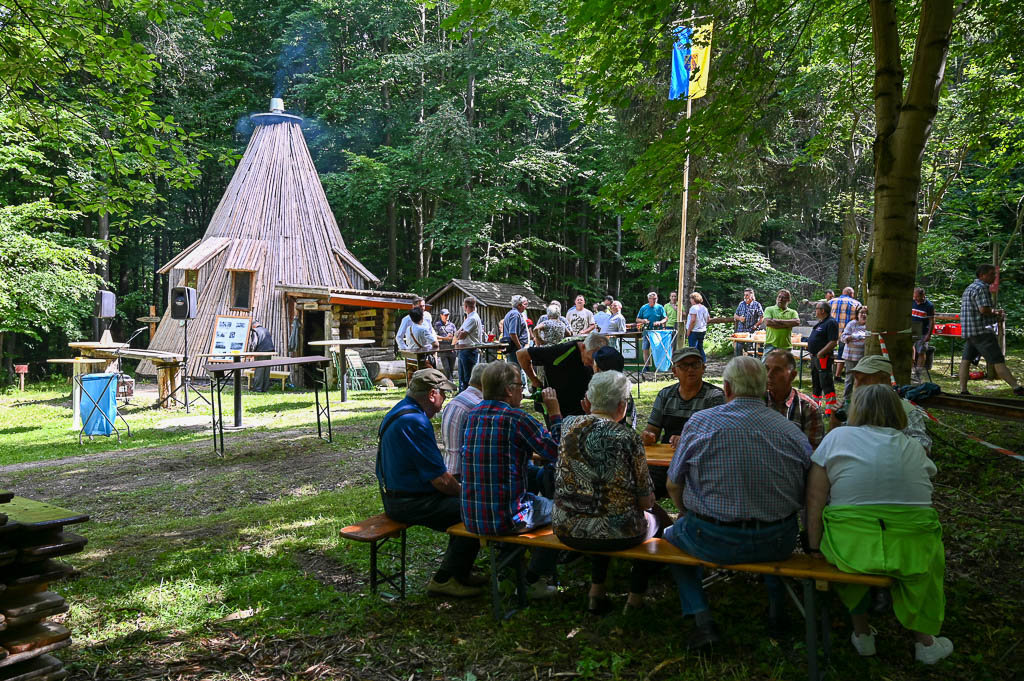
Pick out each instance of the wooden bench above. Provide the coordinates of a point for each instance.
(274, 376)
(816, 574)
(377, 531)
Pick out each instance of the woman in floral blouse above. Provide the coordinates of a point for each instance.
(604, 499)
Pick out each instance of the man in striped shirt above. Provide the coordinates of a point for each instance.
(453, 420)
(500, 440)
(741, 487)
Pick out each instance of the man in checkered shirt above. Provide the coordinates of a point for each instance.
(978, 325)
(500, 440)
(738, 473)
(843, 309)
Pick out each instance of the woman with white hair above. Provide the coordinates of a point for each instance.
(604, 498)
(879, 519)
(551, 330)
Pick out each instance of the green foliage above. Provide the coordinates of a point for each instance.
(45, 283)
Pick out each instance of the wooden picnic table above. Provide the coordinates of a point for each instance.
(334, 346)
(79, 367)
(168, 364)
(659, 454)
(758, 339)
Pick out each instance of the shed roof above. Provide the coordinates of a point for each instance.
(490, 293)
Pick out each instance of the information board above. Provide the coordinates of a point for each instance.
(230, 335)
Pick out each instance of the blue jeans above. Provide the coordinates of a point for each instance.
(696, 340)
(467, 360)
(727, 545)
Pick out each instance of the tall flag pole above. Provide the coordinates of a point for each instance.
(691, 61)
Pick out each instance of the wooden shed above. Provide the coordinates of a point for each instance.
(493, 301)
(273, 232)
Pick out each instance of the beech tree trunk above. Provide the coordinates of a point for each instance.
(903, 123)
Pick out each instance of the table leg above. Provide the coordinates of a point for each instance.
(802, 368)
(344, 370)
(238, 394)
(76, 396)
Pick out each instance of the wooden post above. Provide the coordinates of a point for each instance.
(680, 294)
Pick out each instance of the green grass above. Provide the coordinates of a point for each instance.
(206, 568)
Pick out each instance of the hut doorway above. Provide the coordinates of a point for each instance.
(313, 325)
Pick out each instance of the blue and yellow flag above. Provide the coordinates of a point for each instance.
(691, 62)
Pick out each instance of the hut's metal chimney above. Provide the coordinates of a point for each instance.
(276, 105)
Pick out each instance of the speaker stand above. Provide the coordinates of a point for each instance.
(185, 384)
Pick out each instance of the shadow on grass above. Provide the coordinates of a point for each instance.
(18, 429)
(61, 400)
(288, 406)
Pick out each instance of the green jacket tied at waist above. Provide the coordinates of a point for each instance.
(902, 542)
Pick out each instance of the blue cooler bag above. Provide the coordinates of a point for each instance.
(102, 389)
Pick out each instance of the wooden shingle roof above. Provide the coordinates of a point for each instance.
(491, 294)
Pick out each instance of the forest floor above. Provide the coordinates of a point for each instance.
(206, 568)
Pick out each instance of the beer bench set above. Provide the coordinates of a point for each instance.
(31, 536)
(815, 574)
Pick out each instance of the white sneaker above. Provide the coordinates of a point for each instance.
(941, 647)
(864, 643)
(540, 589)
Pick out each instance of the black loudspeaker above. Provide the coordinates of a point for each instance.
(105, 304)
(183, 302)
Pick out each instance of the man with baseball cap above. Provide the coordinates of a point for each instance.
(415, 485)
(675, 404)
(875, 369)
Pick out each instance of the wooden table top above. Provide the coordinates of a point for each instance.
(77, 360)
(343, 341)
(659, 455)
(222, 367)
(38, 514)
(230, 356)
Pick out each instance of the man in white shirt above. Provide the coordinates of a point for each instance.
(581, 320)
(403, 328)
(453, 420)
(468, 336)
(617, 324)
(420, 336)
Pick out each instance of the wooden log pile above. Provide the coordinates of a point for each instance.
(374, 324)
(32, 536)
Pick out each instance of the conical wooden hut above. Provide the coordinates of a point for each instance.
(272, 230)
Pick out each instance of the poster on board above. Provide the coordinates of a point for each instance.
(230, 335)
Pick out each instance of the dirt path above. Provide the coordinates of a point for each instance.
(190, 479)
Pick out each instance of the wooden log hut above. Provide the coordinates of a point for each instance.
(272, 234)
(493, 301)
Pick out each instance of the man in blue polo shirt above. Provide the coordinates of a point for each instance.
(651, 316)
(415, 485)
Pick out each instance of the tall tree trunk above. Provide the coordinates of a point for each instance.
(690, 270)
(902, 126)
(851, 233)
(470, 121)
(392, 217)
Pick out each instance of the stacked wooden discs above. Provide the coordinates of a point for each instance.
(32, 536)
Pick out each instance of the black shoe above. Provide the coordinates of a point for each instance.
(703, 637)
(1019, 391)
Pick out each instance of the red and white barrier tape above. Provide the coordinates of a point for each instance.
(1001, 450)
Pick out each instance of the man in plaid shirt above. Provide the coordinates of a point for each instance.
(500, 440)
(740, 487)
(749, 315)
(978, 323)
(843, 309)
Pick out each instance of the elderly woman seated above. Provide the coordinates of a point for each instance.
(604, 499)
(879, 519)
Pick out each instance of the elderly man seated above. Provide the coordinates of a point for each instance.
(675, 404)
(877, 370)
(416, 487)
(454, 416)
(500, 440)
(796, 406)
(740, 487)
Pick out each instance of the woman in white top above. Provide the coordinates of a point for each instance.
(697, 323)
(853, 337)
(879, 519)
